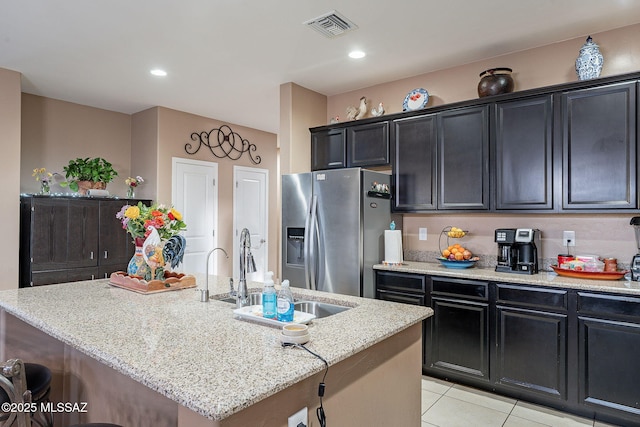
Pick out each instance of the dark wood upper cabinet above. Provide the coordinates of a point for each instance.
(328, 149)
(463, 159)
(599, 147)
(523, 147)
(368, 145)
(414, 163)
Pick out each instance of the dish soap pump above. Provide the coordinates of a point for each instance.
(285, 303)
(269, 298)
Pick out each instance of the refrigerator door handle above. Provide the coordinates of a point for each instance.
(308, 245)
(313, 238)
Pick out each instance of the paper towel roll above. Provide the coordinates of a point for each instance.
(393, 246)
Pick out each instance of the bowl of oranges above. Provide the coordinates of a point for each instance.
(457, 256)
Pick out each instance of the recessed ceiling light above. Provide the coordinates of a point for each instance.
(158, 72)
(357, 54)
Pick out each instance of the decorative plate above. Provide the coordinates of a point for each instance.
(457, 264)
(597, 275)
(415, 100)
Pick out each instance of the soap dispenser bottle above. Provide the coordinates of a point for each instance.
(269, 298)
(285, 303)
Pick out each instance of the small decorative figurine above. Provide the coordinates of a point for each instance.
(354, 113)
(334, 120)
(589, 62)
(377, 112)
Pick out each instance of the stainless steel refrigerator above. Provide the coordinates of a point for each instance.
(333, 229)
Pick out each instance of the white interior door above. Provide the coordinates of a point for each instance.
(195, 195)
(251, 211)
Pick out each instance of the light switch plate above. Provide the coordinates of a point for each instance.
(422, 233)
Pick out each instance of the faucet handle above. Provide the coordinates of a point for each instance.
(204, 295)
(232, 291)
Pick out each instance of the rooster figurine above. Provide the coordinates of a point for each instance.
(354, 113)
(377, 112)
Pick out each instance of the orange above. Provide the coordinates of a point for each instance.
(454, 251)
(457, 245)
(446, 253)
(459, 256)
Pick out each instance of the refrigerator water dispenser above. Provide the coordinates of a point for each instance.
(295, 246)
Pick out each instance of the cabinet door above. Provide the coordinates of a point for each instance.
(414, 164)
(328, 149)
(463, 159)
(368, 145)
(459, 338)
(599, 159)
(48, 234)
(609, 351)
(116, 246)
(82, 243)
(523, 154)
(532, 351)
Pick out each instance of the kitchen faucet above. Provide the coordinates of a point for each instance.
(204, 293)
(247, 265)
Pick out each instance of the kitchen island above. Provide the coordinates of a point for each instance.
(167, 359)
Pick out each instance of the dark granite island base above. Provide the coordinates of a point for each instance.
(243, 377)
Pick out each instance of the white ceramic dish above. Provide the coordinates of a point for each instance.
(254, 312)
(295, 329)
(301, 339)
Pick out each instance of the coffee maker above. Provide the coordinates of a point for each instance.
(518, 250)
(635, 261)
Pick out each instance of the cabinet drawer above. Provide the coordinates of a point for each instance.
(404, 282)
(533, 297)
(608, 305)
(461, 287)
(400, 297)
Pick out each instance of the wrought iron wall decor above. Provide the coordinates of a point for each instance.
(226, 143)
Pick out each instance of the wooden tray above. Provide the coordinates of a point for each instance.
(597, 275)
(172, 282)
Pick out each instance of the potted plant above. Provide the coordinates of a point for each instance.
(88, 173)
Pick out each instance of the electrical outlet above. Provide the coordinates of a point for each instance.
(299, 417)
(568, 238)
(422, 233)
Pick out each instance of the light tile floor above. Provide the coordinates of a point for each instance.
(445, 404)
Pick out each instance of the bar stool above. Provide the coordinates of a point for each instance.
(39, 383)
(13, 389)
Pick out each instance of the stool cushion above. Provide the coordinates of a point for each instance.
(38, 379)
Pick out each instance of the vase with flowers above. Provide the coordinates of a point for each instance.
(132, 184)
(156, 231)
(44, 177)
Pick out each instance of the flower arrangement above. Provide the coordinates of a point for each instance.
(138, 218)
(44, 178)
(132, 183)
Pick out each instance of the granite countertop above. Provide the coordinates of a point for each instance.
(195, 353)
(544, 278)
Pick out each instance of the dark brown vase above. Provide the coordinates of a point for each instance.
(495, 81)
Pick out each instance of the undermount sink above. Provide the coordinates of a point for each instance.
(254, 299)
(317, 308)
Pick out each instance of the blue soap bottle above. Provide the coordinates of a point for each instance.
(269, 298)
(285, 303)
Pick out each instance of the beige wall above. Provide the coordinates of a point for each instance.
(604, 234)
(174, 131)
(54, 132)
(10, 101)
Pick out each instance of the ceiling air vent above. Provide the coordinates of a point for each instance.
(331, 24)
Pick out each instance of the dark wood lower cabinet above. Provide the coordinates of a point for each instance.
(532, 351)
(460, 338)
(571, 350)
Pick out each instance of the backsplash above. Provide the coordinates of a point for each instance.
(490, 260)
